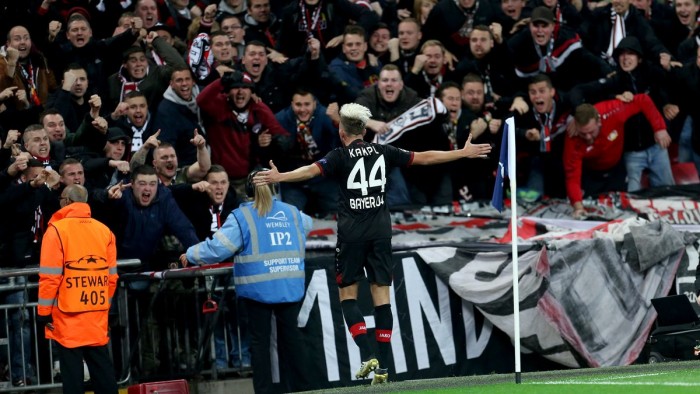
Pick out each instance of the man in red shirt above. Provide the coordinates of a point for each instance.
(592, 154)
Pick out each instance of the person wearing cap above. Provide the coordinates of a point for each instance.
(555, 50)
(138, 73)
(607, 25)
(112, 166)
(644, 148)
(240, 130)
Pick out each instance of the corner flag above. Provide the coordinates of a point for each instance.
(506, 164)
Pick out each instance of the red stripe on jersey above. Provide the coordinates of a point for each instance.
(383, 335)
(358, 329)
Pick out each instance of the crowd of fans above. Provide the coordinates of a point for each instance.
(162, 107)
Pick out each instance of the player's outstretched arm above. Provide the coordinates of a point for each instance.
(274, 176)
(437, 156)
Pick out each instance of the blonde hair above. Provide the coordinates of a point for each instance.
(354, 118)
(263, 199)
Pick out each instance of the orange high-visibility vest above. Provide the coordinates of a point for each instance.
(77, 277)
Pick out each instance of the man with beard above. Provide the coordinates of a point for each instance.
(137, 73)
(178, 114)
(429, 70)
(166, 165)
(240, 130)
(483, 122)
(555, 50)
(451, 22)
(26, 69)
(312, 135)
(490, 60)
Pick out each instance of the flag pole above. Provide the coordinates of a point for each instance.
(510, 129)
(506, 168)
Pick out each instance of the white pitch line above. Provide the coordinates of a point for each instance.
(618, 383)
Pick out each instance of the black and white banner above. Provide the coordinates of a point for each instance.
(436, 333)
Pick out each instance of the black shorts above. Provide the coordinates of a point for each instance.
(352, 258)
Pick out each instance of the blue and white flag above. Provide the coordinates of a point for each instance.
(506, 164)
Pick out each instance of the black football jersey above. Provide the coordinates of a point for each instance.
(361, 170)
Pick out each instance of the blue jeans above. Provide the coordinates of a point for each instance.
(396, 189)
(685, 146)
(653, 158)
(20, 338)
(535, 180)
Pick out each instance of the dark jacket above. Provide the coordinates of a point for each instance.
(352, 79)
(19, 246)
(96, 57)
(572, 64)
(153, 84)
(335, 15)
(646, 78)
(177, 123)
(197, 207)
(382, 110)
(447, 18)
(139, 229)
(598, 30)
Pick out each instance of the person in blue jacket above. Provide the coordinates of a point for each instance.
(267, 239)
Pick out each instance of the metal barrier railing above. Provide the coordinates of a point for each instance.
(34, 359)
(193, 350)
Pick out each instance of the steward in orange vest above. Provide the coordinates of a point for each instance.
(77, 279)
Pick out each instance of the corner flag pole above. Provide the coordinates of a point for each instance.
(506, 168)
(510, 129)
